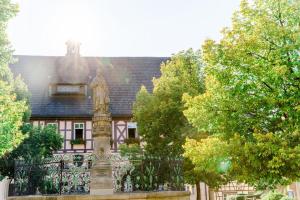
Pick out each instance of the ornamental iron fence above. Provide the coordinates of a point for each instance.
(70, 174)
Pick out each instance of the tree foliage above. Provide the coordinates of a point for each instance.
(40, 143)
(274, 195)
(253, 91)
(209, 157)
(14, 107)
(11, 113)
(159, 114)
(131, 151)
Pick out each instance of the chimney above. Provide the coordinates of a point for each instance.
(73, 48)
(72, 69)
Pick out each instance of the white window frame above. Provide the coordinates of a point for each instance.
(53, 123)
(132, 125)
(74, 128)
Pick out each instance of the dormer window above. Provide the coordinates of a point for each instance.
(67, 89)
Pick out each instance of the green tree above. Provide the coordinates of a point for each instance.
(159, 115)
(40, 144)
(210, 160)
(132, 151)
(161, 122)
(14, 107)
(213, 176)
(253, 91)
(191, 176)
(11, 113)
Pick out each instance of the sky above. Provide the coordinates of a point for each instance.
(117, 27)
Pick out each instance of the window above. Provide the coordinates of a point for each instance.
(78, 130)
(53, 125)
(67, 89)
(131, 130)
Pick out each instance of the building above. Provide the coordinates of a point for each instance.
(61, 94)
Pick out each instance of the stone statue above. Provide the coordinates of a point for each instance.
(101, 172)
(100, 94)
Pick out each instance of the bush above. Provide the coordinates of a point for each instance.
(131, 150)
(274, 195)
(129, 141)
(77, 141)
(238, 197)
(40, 143)
(48, 188)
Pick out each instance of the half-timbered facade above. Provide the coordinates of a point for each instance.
(61, 94)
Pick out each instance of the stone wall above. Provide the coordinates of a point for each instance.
(169, 195)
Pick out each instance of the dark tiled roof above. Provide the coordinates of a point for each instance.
(124, 76)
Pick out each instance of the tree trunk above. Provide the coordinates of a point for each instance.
(198, 191)
(211, 194)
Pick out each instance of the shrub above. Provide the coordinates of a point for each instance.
(132, 150)
(129, 141)
(40, 143)
(274, 195)
(77, 141)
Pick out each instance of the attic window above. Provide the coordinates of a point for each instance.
(67, 89)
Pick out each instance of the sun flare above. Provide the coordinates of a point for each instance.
(75, 24)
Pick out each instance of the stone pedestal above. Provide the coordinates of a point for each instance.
(101, 172)
(101, 179)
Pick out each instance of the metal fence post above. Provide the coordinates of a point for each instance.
(61, 171)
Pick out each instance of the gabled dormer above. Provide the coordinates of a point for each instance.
(71, 75)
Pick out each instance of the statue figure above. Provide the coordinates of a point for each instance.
(100, 93)
(101, 172)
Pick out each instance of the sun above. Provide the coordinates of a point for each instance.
(76, 22)
(73, 21)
